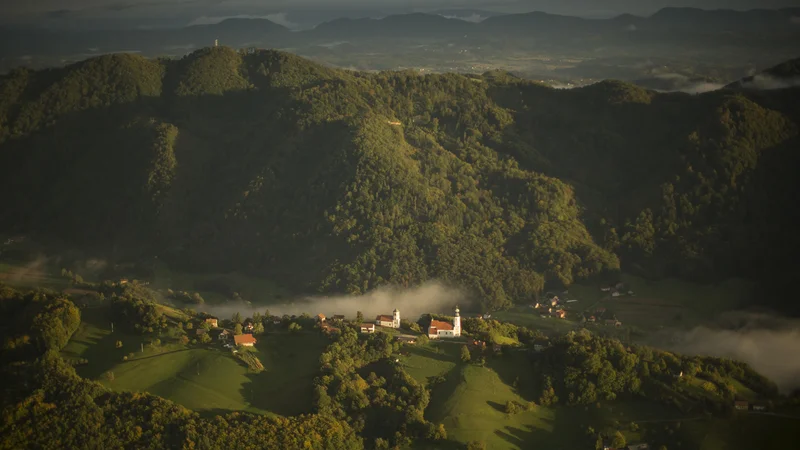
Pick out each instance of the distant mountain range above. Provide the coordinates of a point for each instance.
(696, 28)
(783, 75)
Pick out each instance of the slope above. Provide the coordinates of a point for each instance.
(336, 181)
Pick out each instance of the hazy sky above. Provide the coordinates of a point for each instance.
(55, 9)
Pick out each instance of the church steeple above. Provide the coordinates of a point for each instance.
(457, 323)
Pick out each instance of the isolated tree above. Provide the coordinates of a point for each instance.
(237, 329)
(359, 317)
(237, 318)
(258, 328)
(618, 440)
(295, 327)
(465, 355)
(267, 314)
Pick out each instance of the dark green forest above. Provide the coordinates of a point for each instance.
(337, 181)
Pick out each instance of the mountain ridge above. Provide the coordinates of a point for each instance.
(268, 163)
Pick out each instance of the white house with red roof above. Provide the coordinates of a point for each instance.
(440, 329)
(392, 321)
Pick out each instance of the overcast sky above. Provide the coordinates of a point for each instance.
(189, 9)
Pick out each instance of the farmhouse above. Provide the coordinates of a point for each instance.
(439, 328)
(561, 314)
(327, 329)
(224, 335)
(245, 340)
(321, 318)
(407, 339)
(248, 325)
(392, 321)
(213, 322)
(368, 328)
(741, 405)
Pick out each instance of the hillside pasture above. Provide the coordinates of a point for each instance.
(205, 378)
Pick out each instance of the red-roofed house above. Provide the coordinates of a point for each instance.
(245, 340)
(438, 329)
(367, 327)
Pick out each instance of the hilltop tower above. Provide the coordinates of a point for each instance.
(396, 318)
(216, 42)
(457, 323)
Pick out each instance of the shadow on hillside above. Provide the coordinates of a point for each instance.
(497, 406)
(442, 392)
(286, 387)
(514, 370)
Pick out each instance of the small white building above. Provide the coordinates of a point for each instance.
(392, 321)
(368, 328)
(440, 329)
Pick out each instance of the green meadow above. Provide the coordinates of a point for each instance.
(204, 378)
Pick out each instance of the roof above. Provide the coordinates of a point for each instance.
(211, 319)
(383, 318)
(439, 325)
(367, 325)
(244, 339)
(321, 316)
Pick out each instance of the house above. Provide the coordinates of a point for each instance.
(276, 320)
(200, 331)
(613, 322)
(591, 319)
(321, 318)
(554, 301)
(367, 327)
(487, 316)
(212, 321)
(741, 405)
(327, 329)
(392, 321)
(759, 407)
(438, 328)
(338, 317)
(561, 314)
(248, 325)
(615, 294)
(224, 335)
(245, 340)
(605, 289)
(407, 339)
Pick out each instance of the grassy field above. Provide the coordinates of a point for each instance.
(207, 379)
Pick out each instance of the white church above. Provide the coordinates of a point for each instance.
(392, 321)
(439, 329)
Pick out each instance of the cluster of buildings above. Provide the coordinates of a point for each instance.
(602, 316)
(227, 337)
(617, 290)
(437, 328)
(552, 307)
(744, 405)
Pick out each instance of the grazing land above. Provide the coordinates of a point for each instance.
(205, 378)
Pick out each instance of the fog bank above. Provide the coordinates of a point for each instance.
(432, 297)
(771, 351)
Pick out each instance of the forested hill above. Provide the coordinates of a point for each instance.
(341, 181)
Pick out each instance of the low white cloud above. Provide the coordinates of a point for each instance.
(474, 18)
(431, 297)
(279, 18)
